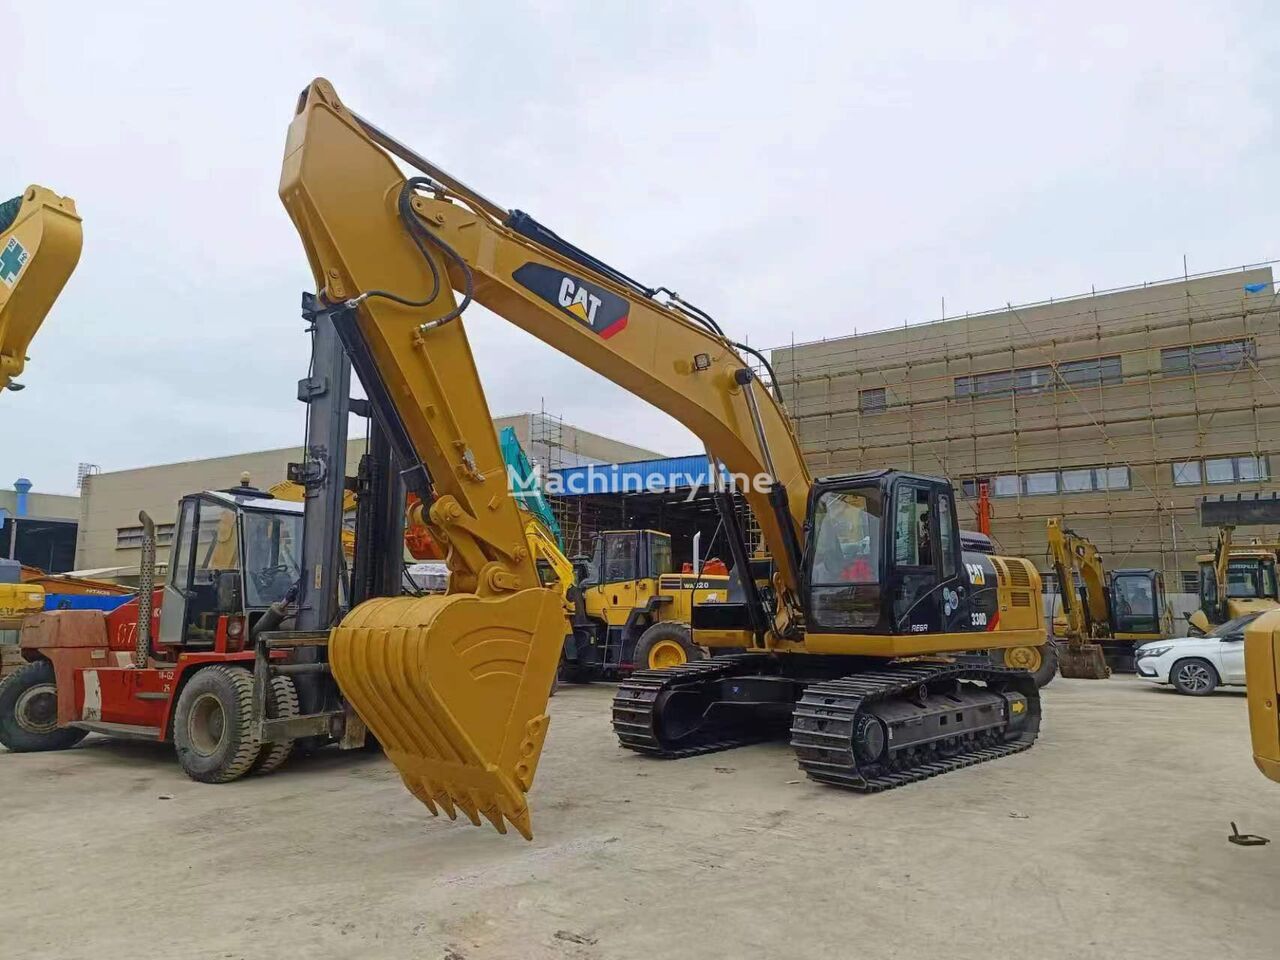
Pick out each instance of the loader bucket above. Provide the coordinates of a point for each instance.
(1083, 662)
(455, 687)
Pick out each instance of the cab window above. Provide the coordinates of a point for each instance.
(180, 563)
(659, 555)
(847, 537)
(217, 542)
(912, 543)
(1134, 597)
(619, 561)
(946, 537)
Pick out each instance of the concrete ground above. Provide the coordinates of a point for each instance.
(1107, 840)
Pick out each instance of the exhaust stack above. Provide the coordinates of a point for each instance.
(146, 589)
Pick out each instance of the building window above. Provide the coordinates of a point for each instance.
(1095, 372)
(1111, 478)
(1189, 473)
(1251, 468)
(1005, 486)
(1077, 481)
(1208, 357)
(1190, 581)
(1038, 484)
(1091, 373)
(1220, 470)
(873, 400)
(131, 537)
(1041, 483)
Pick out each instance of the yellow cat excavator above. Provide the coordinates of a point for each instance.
(40, 240)
(1110, 614)
(850, 638)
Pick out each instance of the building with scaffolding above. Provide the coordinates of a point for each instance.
(1117, 410)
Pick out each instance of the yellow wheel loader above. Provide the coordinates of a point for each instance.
(40, 239)
(632, 609)
(848, 634)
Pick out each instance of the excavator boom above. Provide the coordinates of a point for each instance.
(40, 239)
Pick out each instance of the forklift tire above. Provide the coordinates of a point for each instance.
(213, 726)
(29, 711)
(283, 704)
(665, 645)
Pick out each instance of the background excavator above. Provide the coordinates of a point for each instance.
(1110, 614)
(854, 628)
(40, 240)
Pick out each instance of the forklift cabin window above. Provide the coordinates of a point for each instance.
(217, 543)
(214, 582)
(271, 551)
(180, 560)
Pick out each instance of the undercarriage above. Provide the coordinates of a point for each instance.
(863, 724)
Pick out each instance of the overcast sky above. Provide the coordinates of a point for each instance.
(795, 169)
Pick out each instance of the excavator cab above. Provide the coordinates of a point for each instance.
(1137, 603)
(884, 556)
(234, 554)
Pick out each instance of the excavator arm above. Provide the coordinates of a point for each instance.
(1086, 615)
(456, 686)
(40, 239)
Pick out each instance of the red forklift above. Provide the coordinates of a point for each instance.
(227, 660)
(179, 662)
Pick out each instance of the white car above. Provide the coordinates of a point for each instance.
(1197, 665)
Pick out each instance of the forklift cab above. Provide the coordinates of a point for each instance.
(233, 555)
(1137, 602)
(623, 572)
(883, 555)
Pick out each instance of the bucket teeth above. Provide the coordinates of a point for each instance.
(455, 688)
(421, 790)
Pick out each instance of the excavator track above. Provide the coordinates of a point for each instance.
(639, 703)
(868, 732)
(839, 740)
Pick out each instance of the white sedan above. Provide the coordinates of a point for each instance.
(1197, 665)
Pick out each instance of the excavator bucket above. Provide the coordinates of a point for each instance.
(40, 240)
(1083, 662)
(455, 687)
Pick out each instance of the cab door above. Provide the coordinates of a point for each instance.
(173, 608)
(926, 593)
(613, 596)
